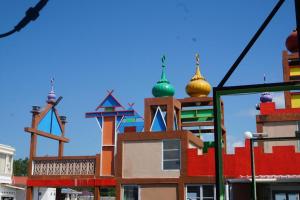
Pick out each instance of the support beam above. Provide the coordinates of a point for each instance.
(218, 146)
(29, 193)
(58, 195)
(250, 44)
(97, 193)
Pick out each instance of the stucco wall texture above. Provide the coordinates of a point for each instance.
(279, 129)
(143, 159)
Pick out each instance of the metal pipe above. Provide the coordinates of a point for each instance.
(218, 146)
(253, 183)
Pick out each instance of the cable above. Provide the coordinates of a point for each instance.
(31, 15)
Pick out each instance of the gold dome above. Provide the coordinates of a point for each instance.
(198, 86)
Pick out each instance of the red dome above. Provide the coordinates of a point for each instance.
(291, 42)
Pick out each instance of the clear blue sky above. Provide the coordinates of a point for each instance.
(92, 46)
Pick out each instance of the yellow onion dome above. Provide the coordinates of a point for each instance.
(198, 86)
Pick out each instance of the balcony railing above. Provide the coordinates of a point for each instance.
(54, 166)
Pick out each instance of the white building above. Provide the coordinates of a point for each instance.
(41, 193)
(7, 192)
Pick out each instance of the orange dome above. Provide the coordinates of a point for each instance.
(291, 42)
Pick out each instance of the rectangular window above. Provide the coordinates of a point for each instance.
(200, 192)
(131, 192)
(171, 154)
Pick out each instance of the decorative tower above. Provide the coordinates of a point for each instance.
(198, 86)
(47, 123)
(196, 110)
(291, 69)
(163, 88)
(163, 112)
(266, 96)
(109, 115)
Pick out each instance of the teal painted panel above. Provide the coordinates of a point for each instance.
(196, 113)
(47, 126)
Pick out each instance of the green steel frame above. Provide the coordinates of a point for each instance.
(236, 90)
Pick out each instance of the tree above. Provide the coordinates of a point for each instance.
(20, 167)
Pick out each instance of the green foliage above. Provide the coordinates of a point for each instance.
(108, 192)
(20, 167)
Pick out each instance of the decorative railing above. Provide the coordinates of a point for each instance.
(54, 166)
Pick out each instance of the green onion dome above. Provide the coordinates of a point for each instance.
(163, 88)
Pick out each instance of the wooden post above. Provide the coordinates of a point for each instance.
(29, 193)
(61, 143)
(97, 193)
(33, 138)
(58, 194)
(118, 191)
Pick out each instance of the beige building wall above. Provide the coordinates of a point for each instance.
(143, 159)
(159, 192)
(279, 129)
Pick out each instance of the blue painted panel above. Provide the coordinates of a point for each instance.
(110, 101)
(119, 119)
(99, 119)
(158, 123)
(45, 124)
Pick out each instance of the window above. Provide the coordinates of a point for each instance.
(131, 192)
(283, 195)
(200, 192)
(171, 154)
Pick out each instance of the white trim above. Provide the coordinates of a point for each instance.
(99, 123)
(14, 187)
(115, 136)
(118, 124)
(175, 116)
(101, 144)
(158, 108)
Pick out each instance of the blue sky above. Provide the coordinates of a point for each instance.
(93, 46)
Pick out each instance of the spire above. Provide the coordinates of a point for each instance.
(163, 87)
(163, 72)
(198, 86)
(51, 95)
(265, 96)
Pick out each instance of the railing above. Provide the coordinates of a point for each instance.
(71, 165)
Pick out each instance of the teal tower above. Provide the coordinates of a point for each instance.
(163, 88)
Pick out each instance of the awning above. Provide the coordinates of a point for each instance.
(266, 179)
(14, 187)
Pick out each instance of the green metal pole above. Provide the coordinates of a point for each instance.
(218, 146)
(253, 184)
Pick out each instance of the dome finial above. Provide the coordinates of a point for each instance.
(163, 88)
(163, 65)
(198, 86)
(51, 95)
(265, 96)
(197, 59)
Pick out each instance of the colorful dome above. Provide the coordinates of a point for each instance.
(163, 88)
(291, 42)
(266, 97)
(198, 86)
(51, 95)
